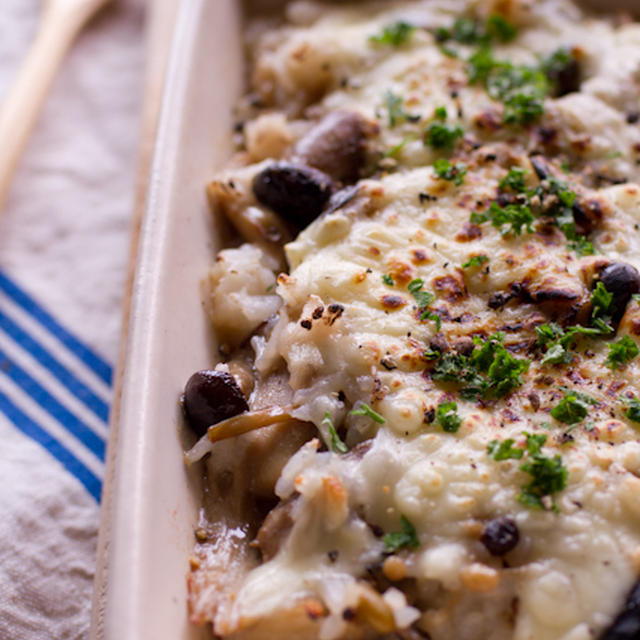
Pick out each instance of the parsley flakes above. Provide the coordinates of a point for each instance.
(475, 261)
(446, 170)
(395, 109)
(387, 279)
(633, 409)
(405, 539)
(394, 34)
(573, 408)
(490, 370)
(447, 417)
(504, 450)
(548, 475)
(509, 219)
(337, 445)
(367, 411)
(621, 353)
(423, 300)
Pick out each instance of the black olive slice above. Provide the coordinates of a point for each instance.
(500, 536)
(627, 624)
(622, 280)
(209, 397)
(299, 194)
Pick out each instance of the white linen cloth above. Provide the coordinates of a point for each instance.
(63, 254)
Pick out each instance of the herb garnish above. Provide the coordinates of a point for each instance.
(548, 475)
(573, 408)
(558, 340)
(367, 411)
(394, 34)
(446, 170)
(633, 410)
(387, 279)
(621, 353)
(405, 539)
(475, 261)
(490, 370)
(447, 417)
(337, 445)
(423, 300)
(601, 301)
(393, 102)
(469, 31)
(509, 219)
(504, 450)
(514, 180)
(442, 136)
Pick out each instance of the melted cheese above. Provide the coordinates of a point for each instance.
(346, 337)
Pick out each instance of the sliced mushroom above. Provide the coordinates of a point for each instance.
(275, 530)
(248, 421)
(336, 145)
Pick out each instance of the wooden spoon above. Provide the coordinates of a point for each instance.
(60, 23)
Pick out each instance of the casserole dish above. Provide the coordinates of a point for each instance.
(155, 501)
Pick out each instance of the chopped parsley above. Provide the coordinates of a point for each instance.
(442, 136)
(636, 297)
(475, 261)
(394, 34)
(509, 219)
(633, 409)
(394, 104)
(387, 279)
(337, 445)
(490, 370)
(582, 246)
(405, 539)
(548, 475)
(601, 302)
(469, 31)
(504, 450)
(447, 417)
(573, 408)
(559, 341)
(446, 170)
(423, 300)
(367, 411)
(396, 149)
(514, 180)
(500, 28)
(621, 353)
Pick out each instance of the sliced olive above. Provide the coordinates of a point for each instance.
(298, 194)
(565, 78)
(626, 626)
(209, 397)
(336, 145)
(500, 536)
(622, 280)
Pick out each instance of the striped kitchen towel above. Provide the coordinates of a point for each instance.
(64, 238)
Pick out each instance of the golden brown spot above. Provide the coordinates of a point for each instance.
(360, 277)
(390, 301)
(488, 120)
(465, 200)
(374, 251)
(420, 256)
(469, 232)
(510, 260)
(401, 272)
(581, 144)
(451, 286)
(314, 609)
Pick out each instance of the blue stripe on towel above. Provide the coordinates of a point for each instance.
(75, 386)
(82, 351)
(57, 450)
(40, 395)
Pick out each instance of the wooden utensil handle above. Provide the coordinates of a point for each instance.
(59, 26)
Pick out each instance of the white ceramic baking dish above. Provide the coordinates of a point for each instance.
(150, 501)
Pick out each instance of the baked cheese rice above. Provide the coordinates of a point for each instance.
(426, 422)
